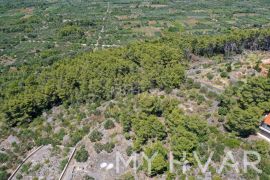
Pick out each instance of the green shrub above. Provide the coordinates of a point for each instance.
(250, 174)
(203, 90)
(3, 175)
(264, 176)
(221, 119)
(95, 136)
(237, 116)
(45, 141)
(219, 151)
(200, 99)
(63, 164)
(209, 76)
(68, 30)
(215, 177)
(108, 147)
(76, 137)
(109, 124)
(224, 75)
(211, 94)
(129, 150)
(189, 83)
(159, 162)
(257, 66)
(82, 155)
(36, 167)
(228, 67)
(86, 177)
(232, 142)
(60, 135)
(127, 135)
(18, 176)
(3, 158)
(127, 176)
(98, 147)
(222, 111)
(196, 85)
(265, 165)
(262, 147)
(97, 112)
(170, 176)
(25, 167)
(48, 53)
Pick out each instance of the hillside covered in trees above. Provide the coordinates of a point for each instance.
(95, 76)
(124, 79)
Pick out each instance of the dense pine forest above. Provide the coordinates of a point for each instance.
(92, 77)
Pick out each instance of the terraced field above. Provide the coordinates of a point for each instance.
(46, 31)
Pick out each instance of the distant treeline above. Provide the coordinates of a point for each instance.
(234, 42)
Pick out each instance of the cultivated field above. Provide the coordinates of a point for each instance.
(50, 30)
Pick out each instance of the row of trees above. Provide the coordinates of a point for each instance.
(235, 42)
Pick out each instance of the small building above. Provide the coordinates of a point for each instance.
(265, 125)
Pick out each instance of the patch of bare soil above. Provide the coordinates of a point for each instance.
(6, 60)
(152, 22)
(126, 17)
(149, 31)
(191, 21)
(265, 66)
(7, 143)
(158, 5)
(28, 10)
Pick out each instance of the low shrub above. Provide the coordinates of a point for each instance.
(86, 177)
(109, 124)
(129, 150)
(98, 147)
(95, 136)
(108, 147)
(82, 155)
(3, 175)
(224, 74)
(63, 164)
(3, 157)
(232, 142)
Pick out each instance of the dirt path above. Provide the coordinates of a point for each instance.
(25, 159)
(103, 26)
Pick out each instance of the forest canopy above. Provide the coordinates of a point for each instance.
(96, 76)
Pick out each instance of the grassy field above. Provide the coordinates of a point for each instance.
(45, 31)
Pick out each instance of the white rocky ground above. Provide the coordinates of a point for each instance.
(48, 160)
(102, 165)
